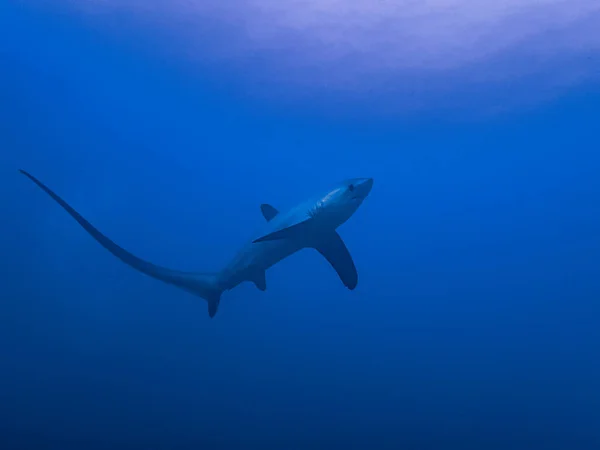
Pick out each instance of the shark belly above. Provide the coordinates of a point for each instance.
(254, 259)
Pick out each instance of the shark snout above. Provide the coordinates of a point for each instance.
(364, 186)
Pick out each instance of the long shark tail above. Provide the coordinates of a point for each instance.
(201, 284)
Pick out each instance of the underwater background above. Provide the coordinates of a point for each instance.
(475, 323)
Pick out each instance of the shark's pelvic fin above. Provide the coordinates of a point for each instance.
(268, 211)
(334, 250)
(213, 306)
(260, 280)
(203, 285)
(295, 230)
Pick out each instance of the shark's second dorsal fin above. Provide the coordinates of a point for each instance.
(268, 211)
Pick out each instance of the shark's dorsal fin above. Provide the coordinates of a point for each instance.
(334, 250)
(292, 231)
(268, 211)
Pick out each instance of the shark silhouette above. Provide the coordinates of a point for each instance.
(310, 224)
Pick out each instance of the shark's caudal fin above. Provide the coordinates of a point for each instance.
(202, 285)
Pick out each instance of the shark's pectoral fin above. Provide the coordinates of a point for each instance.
(260, 280)
(334, 250)
(268, 211)
(296, 230)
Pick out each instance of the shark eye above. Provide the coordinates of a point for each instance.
(351, 187)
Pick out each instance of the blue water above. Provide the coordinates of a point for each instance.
(475, 323)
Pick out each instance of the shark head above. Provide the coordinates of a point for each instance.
(341, 202)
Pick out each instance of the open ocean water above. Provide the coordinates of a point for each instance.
(475, 323)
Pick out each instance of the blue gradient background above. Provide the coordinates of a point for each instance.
(474, 325)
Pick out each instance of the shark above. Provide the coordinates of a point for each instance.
(311, 224)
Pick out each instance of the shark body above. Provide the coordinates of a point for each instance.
(310, 224)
